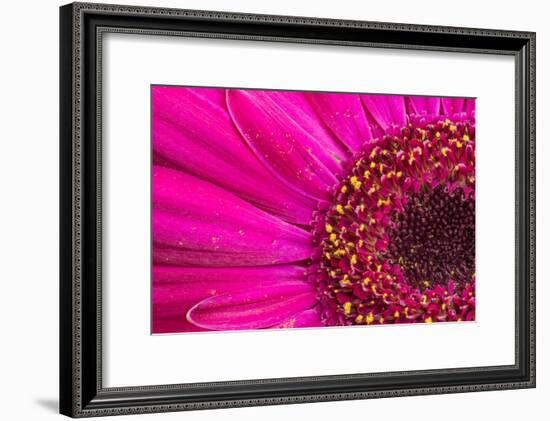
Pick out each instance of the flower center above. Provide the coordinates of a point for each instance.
(433, 239)
(397, 245)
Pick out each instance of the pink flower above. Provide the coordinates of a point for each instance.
(287, 209)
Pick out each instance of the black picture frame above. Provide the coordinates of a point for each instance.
(81, 390)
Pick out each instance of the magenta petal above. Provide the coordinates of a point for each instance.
(170, 317)
(195, 284)
(387, 110)
(254, 309)
(211, 148)
(196, 223)
(469, 106)
(296, 107)
(281, 143)
(177, 289)
(345, 116)
(427, 105)
(452, 105)
(307, 318)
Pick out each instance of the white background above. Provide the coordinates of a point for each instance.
(29, 228)
(132, 62)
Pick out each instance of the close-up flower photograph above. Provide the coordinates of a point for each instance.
(274, 210)
(303, 209)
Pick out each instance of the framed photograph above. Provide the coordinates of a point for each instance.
(261, 210)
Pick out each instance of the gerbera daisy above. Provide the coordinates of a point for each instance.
(289, 209)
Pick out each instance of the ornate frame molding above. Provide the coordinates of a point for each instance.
(81, 390)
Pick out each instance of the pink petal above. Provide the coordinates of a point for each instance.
(170, 317)
(177, 289)
(297, 108)
(307, 318)
(425, 105)
(195, 284)
(254, 309)
(470, 106)
(281, 143)
(452, 105)
(196, 223)
(192, 131)
(387, 110)
(345, 116)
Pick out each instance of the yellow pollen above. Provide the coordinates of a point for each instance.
(443, 306)
(396, 314)
(369, 257)
(445, 151)
(362, 207)
(366, 280)
(399, 174)
(340, 209)
(378, 268)
(344, 189)
(367, 174)
(424, 299)
(381, 167)
(328, 228)
(459, 145)
(332, 274)
(353, 259)
(362, 227)
(428, 320)
(333, 237)
(369, 319)
(381, 320)
(359, 319)
(373, 165)
(384, 202)
(452, 127)
(360, 243)
(437, 135)
(347, 308)
(355, 183)
(466, 138)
